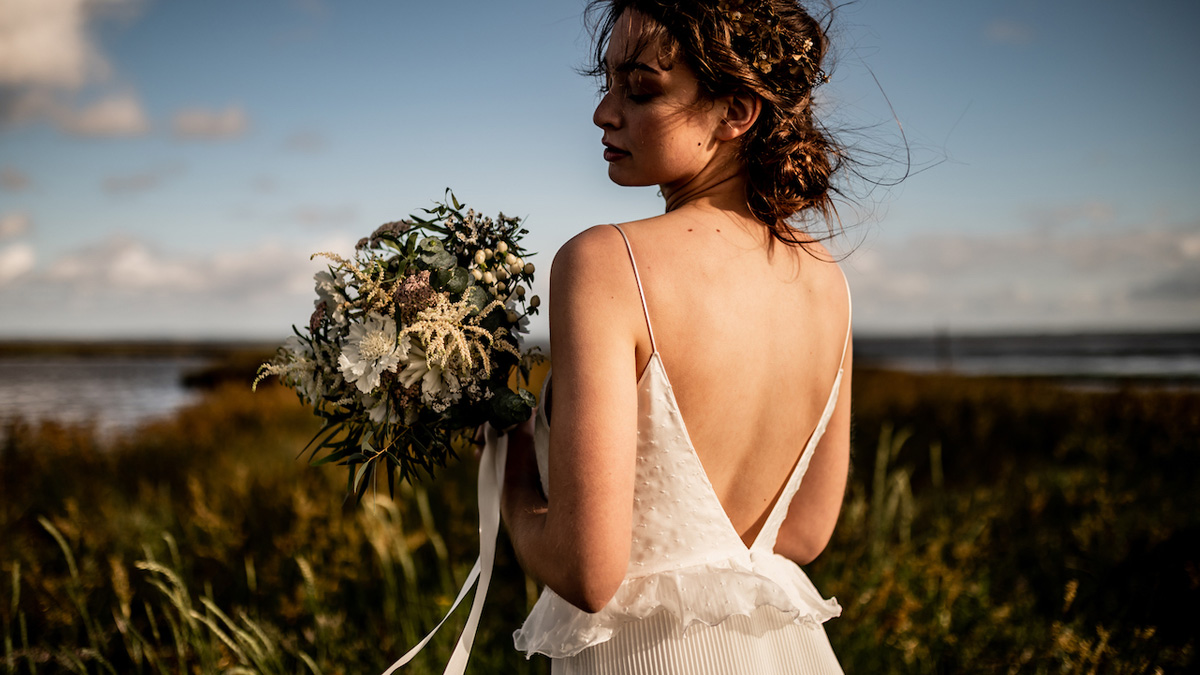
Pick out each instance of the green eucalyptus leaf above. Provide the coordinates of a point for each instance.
(360, 474)
(441, 260)
(457, 281)
(510, 408)
(477, 298)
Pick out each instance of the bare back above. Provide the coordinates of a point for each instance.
(751, 336)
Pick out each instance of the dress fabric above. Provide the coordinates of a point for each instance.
(695, 598)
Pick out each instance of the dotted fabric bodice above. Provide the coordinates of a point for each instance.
(678, 519)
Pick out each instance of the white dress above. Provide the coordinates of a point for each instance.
(695, 598)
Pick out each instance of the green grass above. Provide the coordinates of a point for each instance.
(990, 526)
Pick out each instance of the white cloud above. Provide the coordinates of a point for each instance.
(16, 260)
(46, 43)
(201, 123)
(13, 225)
(324, 216)
(126, 286)
(307, 142)
(141, 180)
(47, 54)
(131, 266)
(1088, 213)
(115, 115)
(13, 180)
(1094, 277)
(264, 184)
(1008, 32)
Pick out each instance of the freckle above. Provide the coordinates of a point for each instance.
(689, 229)
(718, 229)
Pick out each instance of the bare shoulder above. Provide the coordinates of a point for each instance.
(594, 260)
(587, 252)
(827, 268)
(594, 304)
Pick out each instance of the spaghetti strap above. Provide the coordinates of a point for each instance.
(849, 319)
(638, 277)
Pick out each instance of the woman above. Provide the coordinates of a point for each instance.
(701, 363)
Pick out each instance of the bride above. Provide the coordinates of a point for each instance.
(693, 448)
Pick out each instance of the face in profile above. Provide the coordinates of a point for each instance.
(658, 128)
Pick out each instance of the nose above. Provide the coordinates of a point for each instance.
(606, 115)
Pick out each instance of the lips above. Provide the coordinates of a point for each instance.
(612, 153)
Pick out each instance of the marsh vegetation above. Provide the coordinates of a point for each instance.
(991, 525)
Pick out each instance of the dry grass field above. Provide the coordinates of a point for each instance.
(991, 525)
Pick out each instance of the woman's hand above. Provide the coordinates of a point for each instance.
(522, 483)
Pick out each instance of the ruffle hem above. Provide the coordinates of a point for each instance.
(706, 594)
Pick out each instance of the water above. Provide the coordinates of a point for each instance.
(1169, 358)
(116, 393)
(113, 393)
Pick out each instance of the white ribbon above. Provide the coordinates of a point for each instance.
(491, 478)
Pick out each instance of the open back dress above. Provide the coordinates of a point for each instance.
(696, 599)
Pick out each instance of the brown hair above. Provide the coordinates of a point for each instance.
(790, 159)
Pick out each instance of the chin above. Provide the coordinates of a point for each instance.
(624, 179)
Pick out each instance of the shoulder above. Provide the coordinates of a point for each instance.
(593, 291)
(590, 247)
(593, 260)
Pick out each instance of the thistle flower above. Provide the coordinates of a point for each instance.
(413, 295)
(394, 228)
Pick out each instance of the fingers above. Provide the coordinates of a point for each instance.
(480, 440)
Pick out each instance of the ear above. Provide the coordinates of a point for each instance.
(741, 112)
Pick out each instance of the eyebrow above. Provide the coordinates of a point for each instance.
(631, 66)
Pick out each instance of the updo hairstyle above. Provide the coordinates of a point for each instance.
(789, 158)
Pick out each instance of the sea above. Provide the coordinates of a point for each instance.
(1167, 359)
(117, 392)
(112, 394)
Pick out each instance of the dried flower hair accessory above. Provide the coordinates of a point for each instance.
(756, 36)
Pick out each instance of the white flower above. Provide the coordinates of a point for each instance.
(379, 411)
(439, 387)
(301, 372)
(370, 349)
(415, 365)
(332, 291)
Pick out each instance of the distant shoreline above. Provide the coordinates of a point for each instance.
(1159, 358)
(132, 348)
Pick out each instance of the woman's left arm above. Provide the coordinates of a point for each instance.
(578, 542)
(814, 510)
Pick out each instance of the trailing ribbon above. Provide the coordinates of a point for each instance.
(491, 478)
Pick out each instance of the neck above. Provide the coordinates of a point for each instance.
(724, 189)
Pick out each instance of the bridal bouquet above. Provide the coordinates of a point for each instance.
(413, 343)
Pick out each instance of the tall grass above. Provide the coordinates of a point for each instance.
(989, 526)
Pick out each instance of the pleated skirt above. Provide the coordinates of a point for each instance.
(764, 643)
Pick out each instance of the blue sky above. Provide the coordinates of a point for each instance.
(166, 167)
